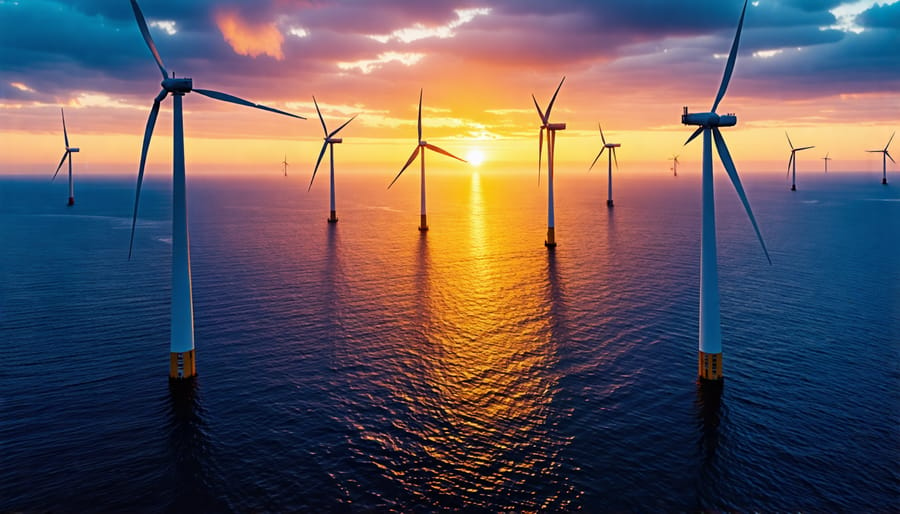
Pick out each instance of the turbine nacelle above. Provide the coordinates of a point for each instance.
(556, 126)
(182, 85)
(73, 149)
(334, 140)
(612, 145)
(422, 142)
(708, 119)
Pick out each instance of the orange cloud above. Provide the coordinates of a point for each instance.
(249, 39)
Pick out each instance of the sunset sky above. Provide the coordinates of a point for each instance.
(828, 71)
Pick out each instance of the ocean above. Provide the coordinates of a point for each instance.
(365, 366)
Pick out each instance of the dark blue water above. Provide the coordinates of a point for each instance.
(361, 366)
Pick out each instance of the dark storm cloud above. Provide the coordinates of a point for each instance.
(881, 16)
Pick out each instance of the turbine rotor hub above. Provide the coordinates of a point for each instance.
(422, 142)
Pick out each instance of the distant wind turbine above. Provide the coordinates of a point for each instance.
(551, 129)
(67, 155)
(674, 160)
(612, 156)
(421, 147)
(826, 159)
(284, 164)
(884, 157)
(710, 358)
(792, 162)
(330, 141)
(182, 357)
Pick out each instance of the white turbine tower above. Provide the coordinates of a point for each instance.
(284, 165)
(884, 157)
(67, 155)
(792, 162)
(330, 141)
(826, 159)
(612, 156)
(710, 339)
(182, 358)
(551, 129)
(421, 147)
(674, 160)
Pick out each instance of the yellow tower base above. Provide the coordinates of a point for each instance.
(551, 238)
(183, 365)
(710, 366)
(423, 224)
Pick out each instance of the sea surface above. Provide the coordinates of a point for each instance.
(364, 366)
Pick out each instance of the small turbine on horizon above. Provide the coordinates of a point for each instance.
(710, 354)
(284, 165)
(674, 160)
(612, 156)
(67, 155)
(421, 147)
(884, 157)
(182, 357)
(792, 162)
(551, 129)
(330, 141)
(826, 159)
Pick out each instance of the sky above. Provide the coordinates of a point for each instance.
(825, 71)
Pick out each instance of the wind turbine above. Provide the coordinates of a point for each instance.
(421, 147)
(284, 164)
(612, 156)
(330, 141)
(710, 357)
(67, 155)
(182, 357)
(792, 162)
(551, 129)
(826, 159)
(674, 160)
(884, 157)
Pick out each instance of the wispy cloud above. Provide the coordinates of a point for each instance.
(420, 31)
(368, 65)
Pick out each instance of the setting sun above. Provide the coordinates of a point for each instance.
(475, 157)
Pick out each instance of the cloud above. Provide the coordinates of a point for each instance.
(420, 31)
(369, 65)
(248, 38)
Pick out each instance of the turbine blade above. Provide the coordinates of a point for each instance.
(736, 181)
(324, 128)
(333, 133)
(789, 140)
(148, 133)
(729, 66)
(142, 24)
(540, 151)
(420, 115)
(540, 112)
(889, 157)
(318, 161)
(65, 134)
(889, 141)
(790, 161)
(804, 148)
(410, 161)
(616, 159)
(240, 101)
(695, 134)
(61, 162)
(596, 159)
(601, 134)
(445, 152)
(550, 106)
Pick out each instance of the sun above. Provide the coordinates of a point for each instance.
(475, 157)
